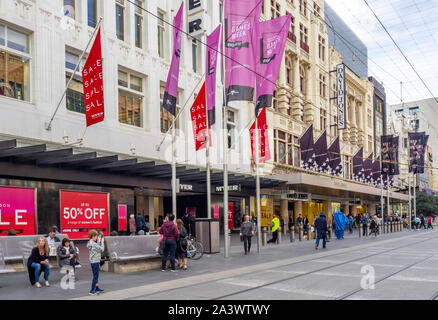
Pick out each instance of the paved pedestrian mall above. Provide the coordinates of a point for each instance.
(400, 265)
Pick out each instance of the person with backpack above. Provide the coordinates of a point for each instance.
(365, 224)
(373, 227)
(422, 221)
(181, 245)
(170, 236)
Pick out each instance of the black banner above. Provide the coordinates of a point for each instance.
(417, 151)
(386, 142)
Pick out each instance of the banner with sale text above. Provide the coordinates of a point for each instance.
(17, 211)
(82, 212)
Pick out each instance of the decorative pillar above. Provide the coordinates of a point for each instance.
(328, 211)
(284, 213)
(298, 209)
(282, 100)
(297, 110)
(309, 114)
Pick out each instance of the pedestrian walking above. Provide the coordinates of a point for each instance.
(429, 223)
(373, 226)
(170, 235)
(350, 223)
(275, 226)
(247, 230)
(38, 262)
(365, 224)
(181, 249)
(422, 221)
(306, 227)
(321, 230)
(95, 247)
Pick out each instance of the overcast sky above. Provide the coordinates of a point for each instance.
(414, 26)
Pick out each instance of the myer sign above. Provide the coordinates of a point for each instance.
(230, 188)
(340, 79)
(196, 17)
(302, 196)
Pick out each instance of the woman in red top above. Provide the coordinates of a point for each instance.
(170, 235)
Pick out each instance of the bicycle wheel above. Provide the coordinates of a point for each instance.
(191, 250)
(199, 251)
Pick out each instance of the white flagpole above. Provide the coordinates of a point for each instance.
(256, 154)
(208, 165)
(49, 124)
(410, 200)
(174, 186)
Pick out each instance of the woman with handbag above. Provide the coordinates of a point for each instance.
(181, 245)
(247, 230)
(170, 236)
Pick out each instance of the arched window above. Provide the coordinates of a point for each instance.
(302, 79)
(289, 72)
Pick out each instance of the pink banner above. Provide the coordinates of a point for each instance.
(17, 211)
(240, 18)
(269, 43)
(123, 212)
(171, 91)
(210, 76)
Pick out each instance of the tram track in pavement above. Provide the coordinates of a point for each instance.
(333, 266)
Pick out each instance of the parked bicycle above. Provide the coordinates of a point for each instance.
(195, 249)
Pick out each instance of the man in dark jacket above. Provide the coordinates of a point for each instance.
(321, 230)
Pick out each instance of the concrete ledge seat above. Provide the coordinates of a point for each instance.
(132, 254)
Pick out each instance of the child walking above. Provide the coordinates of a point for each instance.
(95, 246)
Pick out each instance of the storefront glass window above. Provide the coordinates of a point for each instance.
(2, 35)
(14, 76)
(75, 95)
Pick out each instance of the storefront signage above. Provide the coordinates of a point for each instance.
(357, 202)
(186, 187)
(196, 17)
(216, 212)
(122, 212)
(302, 196)
(17, 210)
(235, 187)
(340, 78)
(82, 212)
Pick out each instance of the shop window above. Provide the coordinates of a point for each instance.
(231, 128)
(130, 99)
(165, 116)
(138, 20)
(70, 8)
(286, 148)
(161, 33)
(14, 64)
(120, 19)
(92, 13)
(302, 80)
(289, 72)
(75, 92)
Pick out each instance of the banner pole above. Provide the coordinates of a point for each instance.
(387, 189)
(49, 124)
(225, 139)
(256, 154)
(208, 165)
(382, 199)
(410, 200)
(415, 194)
(174, 186)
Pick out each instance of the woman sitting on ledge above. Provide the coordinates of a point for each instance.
(39, 262)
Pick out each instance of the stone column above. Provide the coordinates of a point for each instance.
(372, 208)
(346, 208)
(281, 89)
(354, 210)
(353, 124)
(309, 115)
(298, 209)
(297, 110)
(328, 211)
(284, 213)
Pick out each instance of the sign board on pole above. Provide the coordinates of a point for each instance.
(340, 79)
(122, 211)
(18, 210)
(82, 212)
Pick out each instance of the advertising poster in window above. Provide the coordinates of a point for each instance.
(82, 212)
(18, 211)
(230, 215)
(122, 210)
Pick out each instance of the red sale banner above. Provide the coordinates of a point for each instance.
(93, 84)
(82, 212)
(17, 211)
(199, 119)
(122, 208)
(264, 151)
(230, 215)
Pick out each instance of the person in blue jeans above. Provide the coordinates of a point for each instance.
(38, 262)
(321, 230)
(170, 233)
(95, 246)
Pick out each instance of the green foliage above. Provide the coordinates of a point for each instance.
(427, 204)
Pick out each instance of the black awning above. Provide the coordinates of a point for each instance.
(111, 165)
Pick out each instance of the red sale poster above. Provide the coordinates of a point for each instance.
(230, 215)
(17, 211)
(82, 212)
(122, 208)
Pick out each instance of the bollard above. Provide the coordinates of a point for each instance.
(308, 232)
(279, 236)
(300, 232)
(292, 234)
(387, 227)
(400, 226)
(368, 229)
(391, 226)
(360, 230)
(285, 230)
(380, 228)
(264, 236)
